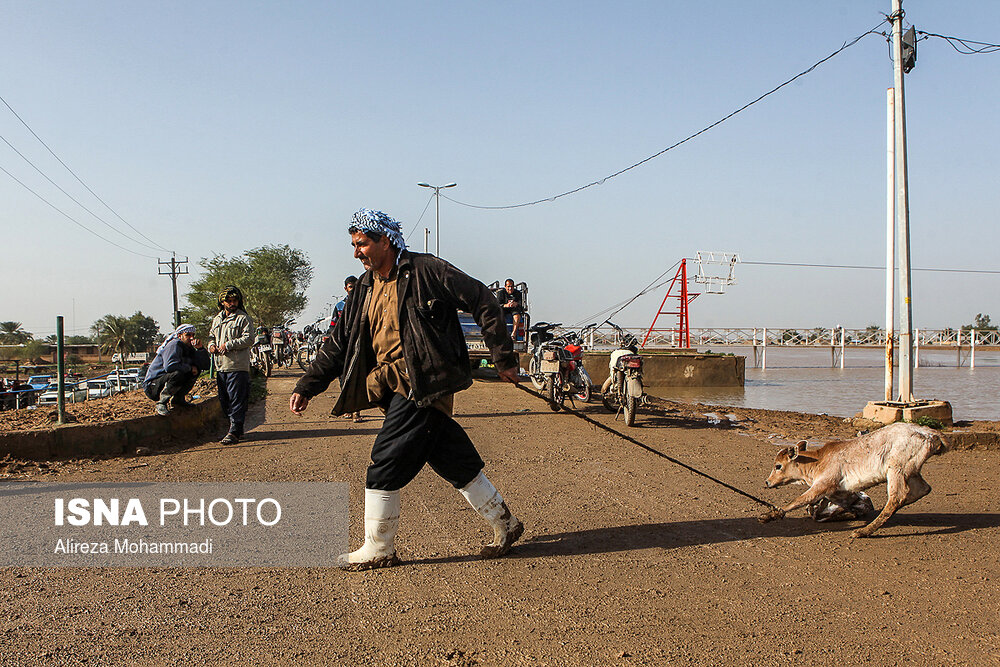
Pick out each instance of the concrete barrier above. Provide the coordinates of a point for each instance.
(675, 370)
(115, 438)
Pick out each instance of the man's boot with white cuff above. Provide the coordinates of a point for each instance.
(381, 523)
(486, 500)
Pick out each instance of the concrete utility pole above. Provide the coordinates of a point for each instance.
(890, 241)
(178, 267)
(902, 212)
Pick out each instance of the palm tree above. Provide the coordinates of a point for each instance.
(12, 333)
(114, 334)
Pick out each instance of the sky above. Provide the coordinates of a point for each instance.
(214, 128)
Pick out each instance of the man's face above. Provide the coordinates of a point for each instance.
(509, 286)
(187, 337)
(230, 303)
(349, 287)
(376, 255)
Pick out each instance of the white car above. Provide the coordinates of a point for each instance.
(73, 393)
(101, 388)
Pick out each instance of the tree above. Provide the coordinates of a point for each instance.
(273, 280)
(12, 333)
(980, 323)
(33, 351)
(122, 335)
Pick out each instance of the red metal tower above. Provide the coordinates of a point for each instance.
(678, 290)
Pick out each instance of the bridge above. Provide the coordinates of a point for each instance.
(836, 339)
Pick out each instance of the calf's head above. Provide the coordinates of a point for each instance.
(789, 466)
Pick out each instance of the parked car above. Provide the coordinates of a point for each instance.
(73, 393)
(101, 388)
(39, 381)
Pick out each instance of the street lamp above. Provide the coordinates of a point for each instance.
(437, 227)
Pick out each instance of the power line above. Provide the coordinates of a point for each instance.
(71, 218)
(75, 200)
(857, 266)
(966, 47)
(843, 48)
(79, 180)
(417, 223)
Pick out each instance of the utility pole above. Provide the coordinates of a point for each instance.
(890, 242)
(178, 267)
(427, 233)
(902, 212)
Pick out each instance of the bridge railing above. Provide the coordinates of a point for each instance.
(605, 337)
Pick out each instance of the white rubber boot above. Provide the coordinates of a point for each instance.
(486, 500)
(381, 523)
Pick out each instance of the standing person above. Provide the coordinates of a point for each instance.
(349, 284)
(230, 339)
(400, 347)
(511, 302)
(179, 360)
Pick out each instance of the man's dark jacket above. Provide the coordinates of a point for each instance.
(177, 356)
(430, 292)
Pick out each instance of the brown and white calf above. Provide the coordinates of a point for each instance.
(893, 454)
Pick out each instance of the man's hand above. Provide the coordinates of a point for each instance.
(194, 370)
(212, 349)
(510, 375)
(222, 348)
(298, 403)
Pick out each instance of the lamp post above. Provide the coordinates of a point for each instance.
(437, 227)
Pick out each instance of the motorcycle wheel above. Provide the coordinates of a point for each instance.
(304, 358)
(610, 402)
(267, 365)
(551, 390)
(583, 380)
(629, 408)
(535, 377)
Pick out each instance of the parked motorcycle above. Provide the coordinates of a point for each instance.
(283, 344)
(623, 389)
(313, 336)
(556, 364)
(260, 352)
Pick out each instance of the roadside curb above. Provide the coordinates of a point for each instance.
(116, 438)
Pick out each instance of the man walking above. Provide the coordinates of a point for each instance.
(399, 346)
(179, 360)
(230, 339)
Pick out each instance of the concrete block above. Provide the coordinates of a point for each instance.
(887, 412)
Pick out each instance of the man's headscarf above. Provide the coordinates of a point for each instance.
(228, 291)
(184, 328)
(378, 222)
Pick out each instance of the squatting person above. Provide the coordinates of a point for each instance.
(179, 360)
(230, 340)
(399, 347)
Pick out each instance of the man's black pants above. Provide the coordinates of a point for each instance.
(234, 394)
(411, 437)
(176, 385)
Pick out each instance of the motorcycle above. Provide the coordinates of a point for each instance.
(260, 352)
(556, 365)
(623, 390)
(313, 336)
(283, 344)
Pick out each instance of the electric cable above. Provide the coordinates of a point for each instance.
(877, 268)
(601, 181)
(652, 450)
(75, 200)
(71, 218)
(414, 228)
(964, 46)
(79, 180)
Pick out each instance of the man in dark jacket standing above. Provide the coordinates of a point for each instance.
(179, 361)
(399, 347)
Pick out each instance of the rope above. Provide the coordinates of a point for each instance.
(594, 422)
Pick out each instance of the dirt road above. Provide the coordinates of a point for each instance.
(626, 560)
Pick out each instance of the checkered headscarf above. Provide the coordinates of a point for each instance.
(378, 222)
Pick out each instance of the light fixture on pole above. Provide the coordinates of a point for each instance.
(437, 227)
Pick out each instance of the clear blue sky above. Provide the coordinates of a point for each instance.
(222, 126)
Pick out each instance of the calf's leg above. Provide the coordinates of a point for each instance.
(896, 489)
(917, 488)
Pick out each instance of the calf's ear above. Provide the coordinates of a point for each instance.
(801, 446)
(792, 453)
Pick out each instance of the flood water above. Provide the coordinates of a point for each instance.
(803, 381)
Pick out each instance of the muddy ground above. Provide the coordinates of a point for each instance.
(627, 559)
